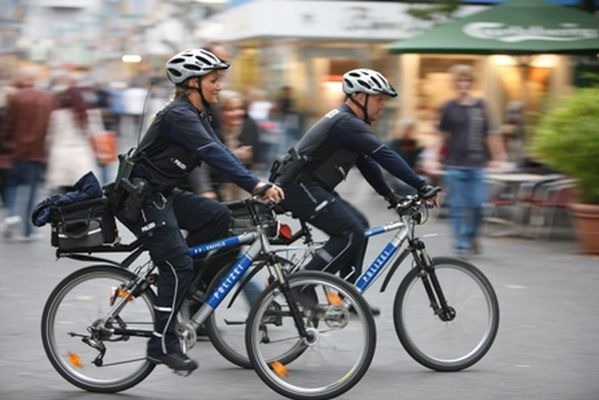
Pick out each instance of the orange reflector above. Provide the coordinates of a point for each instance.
(123, 293)
(334, 299)
(279, 369)
(75, 360)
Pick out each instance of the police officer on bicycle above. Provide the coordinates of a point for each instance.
(155, 210)
(321, 160)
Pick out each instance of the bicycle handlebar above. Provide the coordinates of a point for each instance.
(414, 202)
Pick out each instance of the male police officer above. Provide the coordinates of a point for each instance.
(324, 156)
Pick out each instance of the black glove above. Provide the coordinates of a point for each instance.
(393, 199)
(426, 191)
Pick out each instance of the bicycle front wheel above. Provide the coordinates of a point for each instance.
(453, 338)
(79, 336)
(339, 345)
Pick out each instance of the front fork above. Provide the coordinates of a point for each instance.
(428, 276)
(293, 307)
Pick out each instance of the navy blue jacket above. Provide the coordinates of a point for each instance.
(181, 138)
(86, 188)
(334, 148)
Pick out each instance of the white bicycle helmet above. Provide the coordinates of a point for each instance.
(364, 80)
(192, 63)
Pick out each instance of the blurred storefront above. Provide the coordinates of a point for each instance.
(308, 45)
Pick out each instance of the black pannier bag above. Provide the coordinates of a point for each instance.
(82, 225)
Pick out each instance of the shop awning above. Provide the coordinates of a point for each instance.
(514, 27)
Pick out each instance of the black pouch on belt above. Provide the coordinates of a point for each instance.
(285, 171)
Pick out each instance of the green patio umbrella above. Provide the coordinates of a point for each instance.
(517, 27)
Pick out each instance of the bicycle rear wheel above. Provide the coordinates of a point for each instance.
(76, 330)
(340, 343)
(451, 339)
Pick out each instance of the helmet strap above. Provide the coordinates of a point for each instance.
(198, 89)
(363, 107)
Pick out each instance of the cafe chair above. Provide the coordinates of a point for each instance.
(550, 199)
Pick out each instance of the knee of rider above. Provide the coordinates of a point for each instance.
(358, 235)
(222, 217)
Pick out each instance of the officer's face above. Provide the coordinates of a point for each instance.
(376, 105)
(211, 86)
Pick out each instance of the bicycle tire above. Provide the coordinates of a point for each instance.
(72, 307)
(447, 345)
(226, 327)
(349, 339)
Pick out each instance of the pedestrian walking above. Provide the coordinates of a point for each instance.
(23, 137)
(467, 139)
(70, 151)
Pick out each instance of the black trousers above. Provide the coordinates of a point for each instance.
(159, 228)
(345, 225)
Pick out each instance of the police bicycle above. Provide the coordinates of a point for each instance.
(310, 335)
(445, 312)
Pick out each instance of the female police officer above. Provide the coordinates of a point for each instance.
(180, 138)
(340, 140)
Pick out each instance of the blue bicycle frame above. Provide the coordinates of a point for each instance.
(236, 271)
(388, 252)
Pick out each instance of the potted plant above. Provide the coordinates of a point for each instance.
(567, 139)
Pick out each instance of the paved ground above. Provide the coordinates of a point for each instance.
(547, 347)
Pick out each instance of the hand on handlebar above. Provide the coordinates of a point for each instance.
(428, 193)
(269, 192)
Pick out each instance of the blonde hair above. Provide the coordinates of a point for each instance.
(227, 95)
(462, 71)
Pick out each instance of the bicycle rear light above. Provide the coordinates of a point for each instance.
(284, 231)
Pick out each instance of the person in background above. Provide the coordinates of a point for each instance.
(260, 109)
(70, 152)
(406, 145)
(284, 112)
(6, 91)
(467, 138)
(23, 136)
(239, 133)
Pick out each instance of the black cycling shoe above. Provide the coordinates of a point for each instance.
(176, 361)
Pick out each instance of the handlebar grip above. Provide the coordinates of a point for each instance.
(260, 191)
(429, 191)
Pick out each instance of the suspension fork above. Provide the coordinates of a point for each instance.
(429, 279)
(284, 286)
(293, 307)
